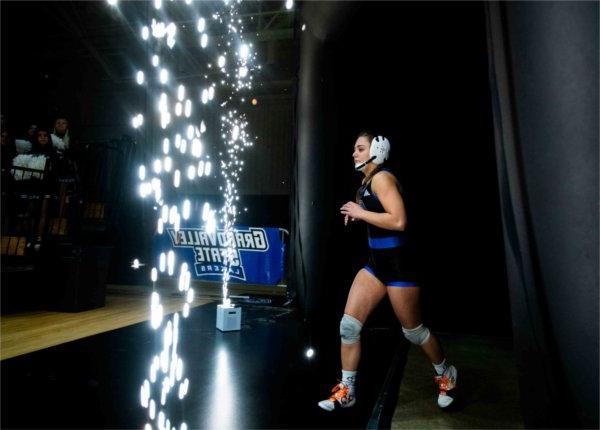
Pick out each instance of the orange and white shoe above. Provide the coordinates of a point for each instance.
(446, 383)
(340, 395)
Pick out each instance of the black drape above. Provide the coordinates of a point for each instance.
(544, 82)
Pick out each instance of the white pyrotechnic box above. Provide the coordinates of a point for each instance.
(229, 318)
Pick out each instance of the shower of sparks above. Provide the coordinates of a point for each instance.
(183, 156)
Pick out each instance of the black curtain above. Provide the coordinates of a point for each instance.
(544, 82)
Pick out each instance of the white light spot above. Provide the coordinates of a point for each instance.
(205, 96)
(176, 178)
(201, 168)
(139, 77)
(244, 51)
(243, 72)
(142, 172)
(310, 353)
(145, 32)
(168, 164)
(207, 168)
(188, 108)
(186, 312)
(201, 25)
(179, 371)
(190, 295)
(166, 145)
(183, 146)
(190, 132)
(196, 148)
(221, 61)
(162, 264)
(186, 209)
(289, 4)
(155, 60)
(191, 172)
(152, 409)
(164, 76)
(211, 93)
(171, 262)
(157, 4)
(205, 212)
(153, 274)
(204, 40)
(157, 166)
(171, 30)
(178, 109)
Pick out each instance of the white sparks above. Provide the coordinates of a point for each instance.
(186, 209)
(162, 265)
(191, 172)
(157, 166)
(164, 76)
(201, 26)
(244, 51)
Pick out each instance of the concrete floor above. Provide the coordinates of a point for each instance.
(486, 377)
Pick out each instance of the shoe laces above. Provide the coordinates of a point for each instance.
(339, 392)
(444, 383)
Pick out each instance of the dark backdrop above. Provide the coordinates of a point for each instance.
(417, 73)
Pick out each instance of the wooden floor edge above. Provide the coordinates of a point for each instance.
(22, 347)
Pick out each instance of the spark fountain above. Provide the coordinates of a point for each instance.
(184, 158)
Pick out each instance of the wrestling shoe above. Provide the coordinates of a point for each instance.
(446, 383)
(341, 395)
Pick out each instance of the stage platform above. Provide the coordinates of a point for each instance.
(258, 377)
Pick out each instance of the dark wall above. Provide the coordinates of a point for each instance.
(417, 73)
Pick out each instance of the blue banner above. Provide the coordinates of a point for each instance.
(258, 253)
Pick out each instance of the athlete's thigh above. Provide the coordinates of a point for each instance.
(366, 292)
(405, 302)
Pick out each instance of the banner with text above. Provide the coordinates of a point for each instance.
(258, 253)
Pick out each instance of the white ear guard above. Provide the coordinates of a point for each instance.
(380, 149)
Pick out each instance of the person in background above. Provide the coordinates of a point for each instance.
(60, 135)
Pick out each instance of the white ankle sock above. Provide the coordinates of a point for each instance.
(349, 379)
(440, 368)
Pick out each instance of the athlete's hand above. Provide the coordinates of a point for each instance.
(352, 210)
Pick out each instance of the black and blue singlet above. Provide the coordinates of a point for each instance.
(390, 260)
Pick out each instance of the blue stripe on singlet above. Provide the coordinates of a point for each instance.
(401, 284)
(370, 270)
(385, 242)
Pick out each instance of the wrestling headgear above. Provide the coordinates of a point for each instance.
(378, 153)
(380, 149)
